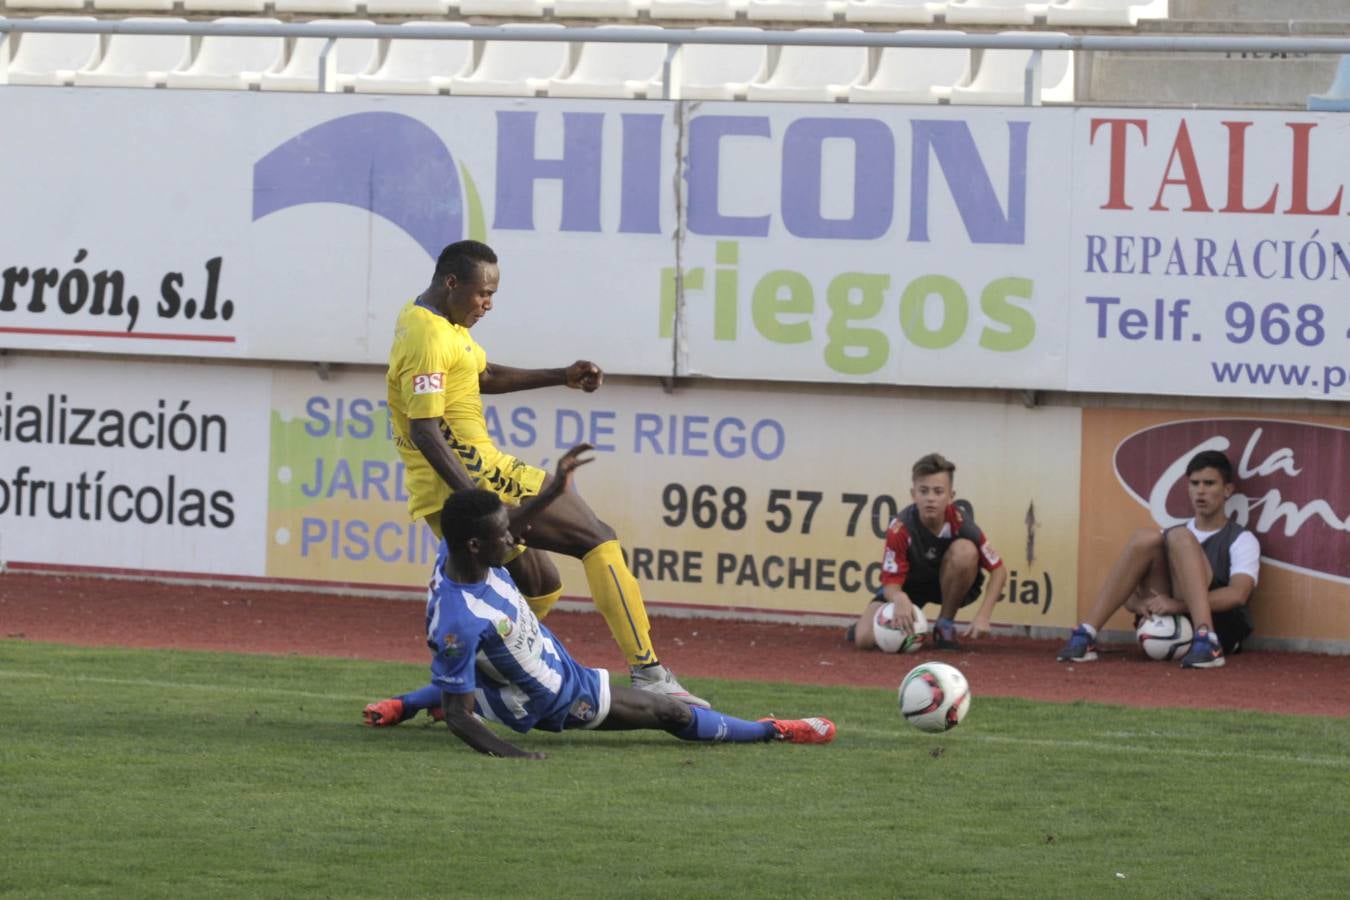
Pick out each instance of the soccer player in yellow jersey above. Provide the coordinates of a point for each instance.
(437, 374)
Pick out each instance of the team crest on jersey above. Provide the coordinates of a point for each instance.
(452, 646)
(430, 383)
(504, 627)
(582, 710)
(888, 562)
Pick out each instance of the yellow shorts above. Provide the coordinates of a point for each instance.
(499, 472)
(488, 468)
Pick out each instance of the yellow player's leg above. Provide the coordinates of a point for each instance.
(619, 599)
(542, 605)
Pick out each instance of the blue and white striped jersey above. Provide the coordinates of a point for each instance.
(486, 640)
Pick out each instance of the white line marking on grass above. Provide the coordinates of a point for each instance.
(185, 685)
(1152, 750)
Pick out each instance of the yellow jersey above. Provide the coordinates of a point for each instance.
(433, 372)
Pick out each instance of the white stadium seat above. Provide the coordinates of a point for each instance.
(514, 68)
(1121, 13)
(914, 74)
(1001, 78)
(349, 57)
(51, 58)
(992, 12)
(321, 7)
(515, 8)
(139, 60)
(812, 73)
(44, 4)
(408, 8)
(696, 9)
(231, 63)
(418, 66)
(595, 9)
(717, 71)
(250, 6)
(134, 5)
(918, 12)
(1337, 97)
(612, 70)
(793, 10)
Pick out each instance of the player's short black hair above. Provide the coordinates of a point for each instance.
(1211, 459)
(931, 464)
(462, 259)
(464, 513)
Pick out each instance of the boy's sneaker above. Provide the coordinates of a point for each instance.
(660, 680)
(1082, 647)
(1205, 652)
(383, 713)
(945, 638)
(802, 731)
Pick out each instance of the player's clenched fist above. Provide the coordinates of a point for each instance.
(585, 375)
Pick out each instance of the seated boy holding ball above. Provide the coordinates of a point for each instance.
(1205, 567)
(935, 553)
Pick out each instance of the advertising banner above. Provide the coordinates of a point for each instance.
(148, 466)
(799, 242)
(1292, 492)
(1155, 252)
(1210, 254)
(723, 497)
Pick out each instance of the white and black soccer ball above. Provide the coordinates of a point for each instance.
(934, 697)
(1165, 637)
(890, 639)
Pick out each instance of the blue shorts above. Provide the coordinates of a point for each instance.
(581, 701)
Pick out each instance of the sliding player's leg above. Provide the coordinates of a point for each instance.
(632, 709)
(571, 527)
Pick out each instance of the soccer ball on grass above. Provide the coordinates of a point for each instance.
(934, 697)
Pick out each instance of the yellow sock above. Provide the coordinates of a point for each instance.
(619, 599)
(543, 604)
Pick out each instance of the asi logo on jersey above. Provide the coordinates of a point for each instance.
(431, 383)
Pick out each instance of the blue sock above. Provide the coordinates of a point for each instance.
(711, 725)
(946, 626)
(420, 699)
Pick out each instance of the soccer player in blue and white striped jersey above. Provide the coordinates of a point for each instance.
(492, 657)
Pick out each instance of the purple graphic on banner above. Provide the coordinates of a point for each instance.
(387, 163)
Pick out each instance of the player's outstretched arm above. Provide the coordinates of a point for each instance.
(497, 379)
(470, 729)
(518, 517)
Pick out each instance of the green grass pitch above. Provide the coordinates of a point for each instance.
(167, 774)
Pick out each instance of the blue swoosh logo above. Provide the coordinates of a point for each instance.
(387, 163)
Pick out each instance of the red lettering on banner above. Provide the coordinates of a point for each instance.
(1117, 127)
(1184, 153)
(1183, 169)
(1237, 170)
(1298, 205)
